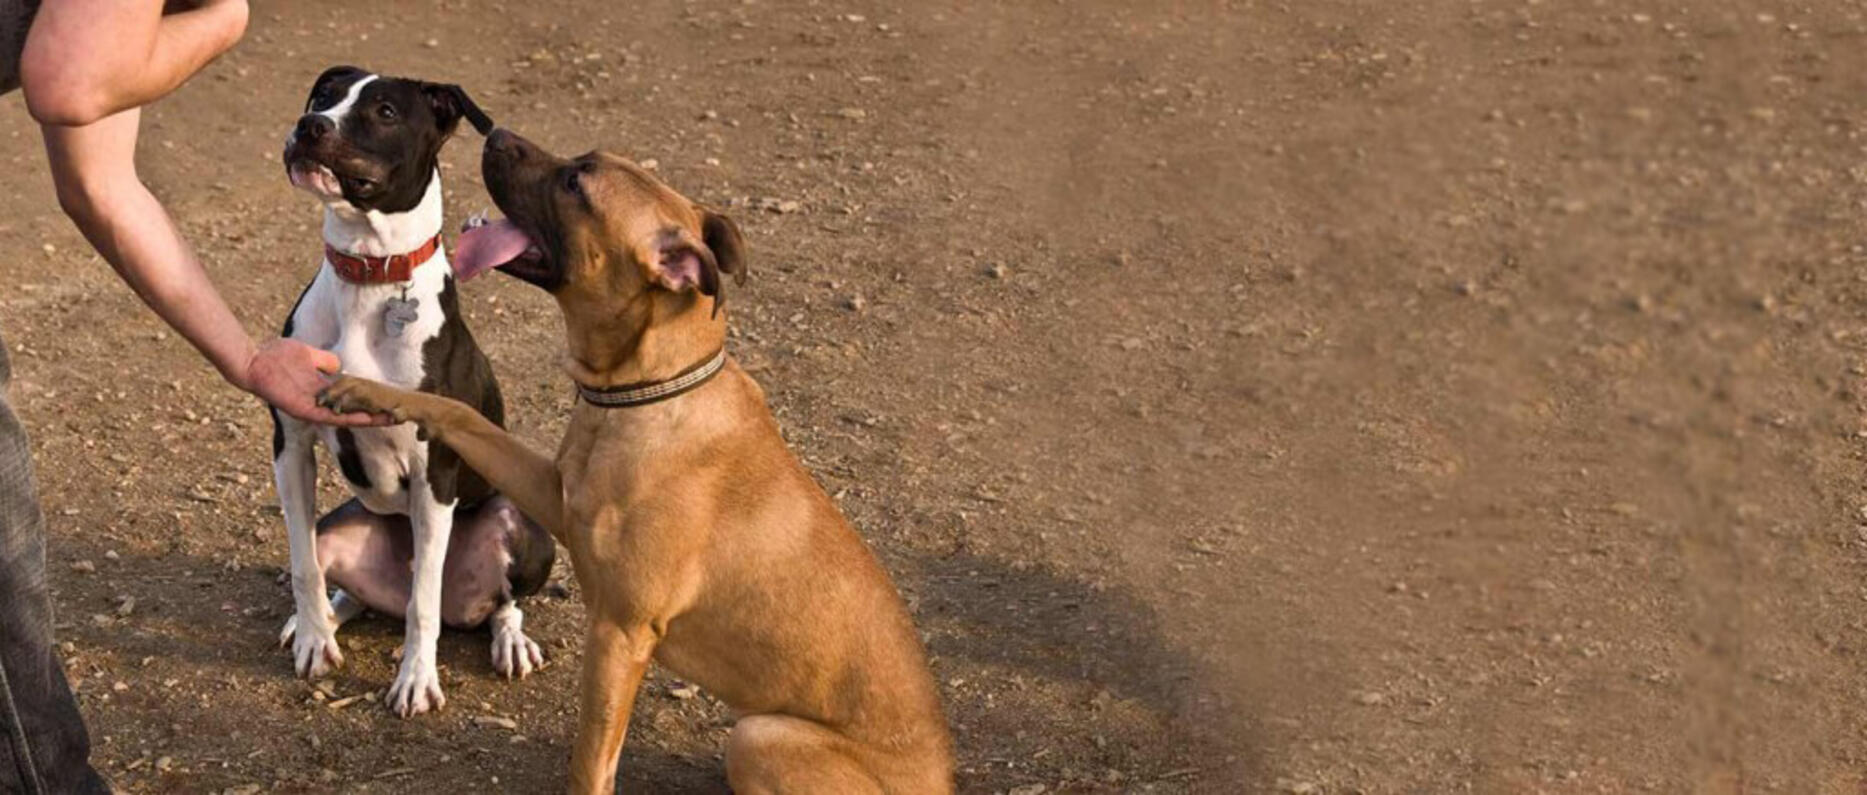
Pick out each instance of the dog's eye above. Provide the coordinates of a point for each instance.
(385, 112)
(573, 181)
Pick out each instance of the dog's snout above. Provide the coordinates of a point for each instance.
(312, 127)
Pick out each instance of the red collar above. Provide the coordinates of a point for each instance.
(380, 270)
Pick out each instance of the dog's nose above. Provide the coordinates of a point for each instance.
(312, 126)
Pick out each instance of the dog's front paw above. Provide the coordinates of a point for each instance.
(349, 394)
(417, 686)
(514, 654)
(314, 646)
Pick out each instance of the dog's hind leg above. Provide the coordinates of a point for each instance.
(366, 555)
(496, 556)
(772, 754)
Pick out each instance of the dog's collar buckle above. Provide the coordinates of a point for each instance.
(392, 269)
(630, 395)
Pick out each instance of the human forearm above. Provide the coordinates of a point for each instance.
(127, 225)
(88, 59)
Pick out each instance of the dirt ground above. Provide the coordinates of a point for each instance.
(1249, 396)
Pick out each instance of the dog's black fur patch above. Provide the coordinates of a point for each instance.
(454, 367)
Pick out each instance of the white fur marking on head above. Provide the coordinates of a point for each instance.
(337, 112)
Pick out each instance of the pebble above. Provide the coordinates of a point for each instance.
(491, 721)
(683, 691)
(997, 271)
(855, 303)
(1028, 789)
(84, 567)
(1370, 699)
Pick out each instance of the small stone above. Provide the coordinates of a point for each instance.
(852, 114)
(165, 763)
(1370, 699)
(126, 605)
(997, 271)
(854, 303)
(84, 567)
(1466, 287)
(49, 249)
(650, 164)
(120, 687)
(683, 691)
(1028, 789)
(788, 206)
(713, 161)
(494, 721)
(431, 43)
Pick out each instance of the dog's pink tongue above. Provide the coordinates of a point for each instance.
(488, 246)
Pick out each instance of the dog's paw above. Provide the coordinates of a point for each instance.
(314, 647)
(349, 394)
(417, 687)
(515, 656)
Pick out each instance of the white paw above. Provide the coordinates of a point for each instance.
(515, 655)
(314, 646)
(417, 686)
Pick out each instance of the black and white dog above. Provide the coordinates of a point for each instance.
(424, 536)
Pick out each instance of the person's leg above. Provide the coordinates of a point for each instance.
(45, 748)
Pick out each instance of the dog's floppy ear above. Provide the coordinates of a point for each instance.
(679, 262)
(683, 263)
(451, 103)
(722, 236)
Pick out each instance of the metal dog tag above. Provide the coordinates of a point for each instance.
(398, 313)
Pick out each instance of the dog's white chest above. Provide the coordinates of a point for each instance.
(378, 331)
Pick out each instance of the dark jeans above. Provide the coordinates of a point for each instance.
(43, 745)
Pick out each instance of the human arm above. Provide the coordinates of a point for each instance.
(94, 170)
(86, 60)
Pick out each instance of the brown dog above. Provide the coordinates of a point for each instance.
(698, 538)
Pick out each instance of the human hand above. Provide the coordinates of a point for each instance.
(289, 374)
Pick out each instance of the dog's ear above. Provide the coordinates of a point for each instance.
(450, 104)
(679, 262)
(722, 236)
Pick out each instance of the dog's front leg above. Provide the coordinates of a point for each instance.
(417, 686)
(614, 661)
(312, 629)
(530, 480)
